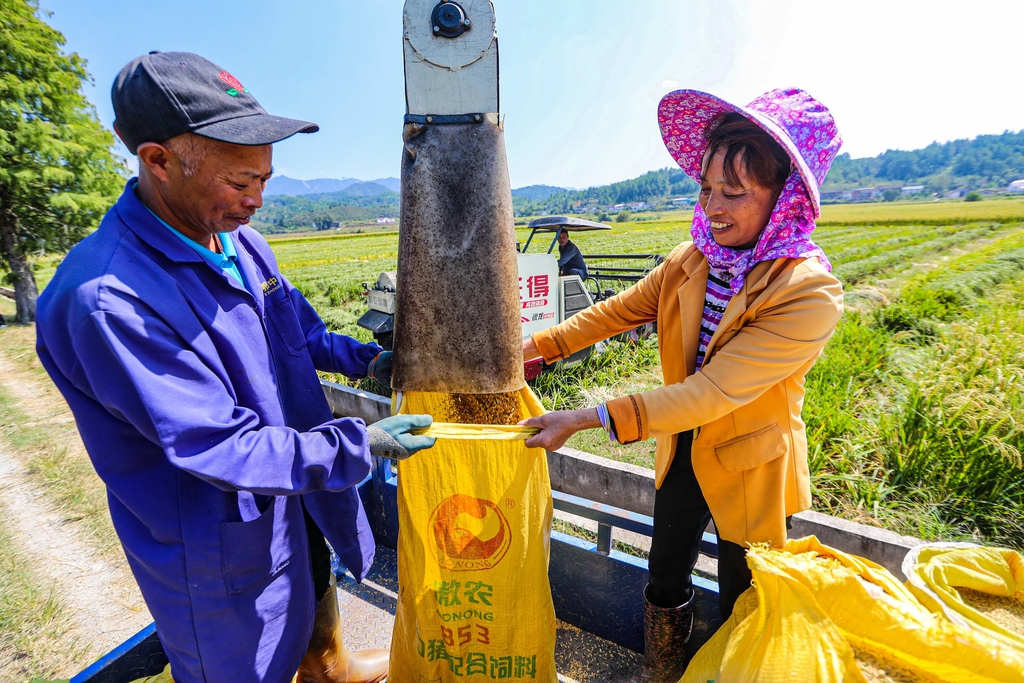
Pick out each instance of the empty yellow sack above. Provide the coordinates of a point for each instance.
(817, 614)
(474, 516)
(971, 585)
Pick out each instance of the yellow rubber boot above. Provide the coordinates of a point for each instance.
(327, 660)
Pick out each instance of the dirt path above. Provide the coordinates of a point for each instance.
(103, 600)
(99, 592)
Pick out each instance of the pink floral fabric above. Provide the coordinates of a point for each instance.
(805, 129)
(787, 235)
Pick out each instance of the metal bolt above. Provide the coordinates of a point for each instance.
(466, 22)
(476, 117)
(437, 29)
(430, 119)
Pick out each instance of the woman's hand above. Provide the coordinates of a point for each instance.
(530, 350)
(557, 427)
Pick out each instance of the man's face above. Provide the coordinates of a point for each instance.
(563, 238)
(224, 191)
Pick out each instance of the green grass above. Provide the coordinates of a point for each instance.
(66, 478)
(620, 368)
(915, 410)
(32, 620)
(933, 213)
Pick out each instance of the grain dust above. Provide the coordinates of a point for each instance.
(877, 671)
(482, 409)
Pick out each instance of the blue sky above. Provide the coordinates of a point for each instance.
(581, 79)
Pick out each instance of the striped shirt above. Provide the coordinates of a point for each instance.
(716, 298)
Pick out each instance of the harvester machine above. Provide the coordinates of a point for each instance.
(546, 297)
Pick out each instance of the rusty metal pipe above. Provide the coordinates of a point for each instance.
(457, 322)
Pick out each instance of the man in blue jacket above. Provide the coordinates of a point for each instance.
(570, 260)
(190, 362)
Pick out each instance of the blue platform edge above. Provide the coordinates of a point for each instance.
(599, 592)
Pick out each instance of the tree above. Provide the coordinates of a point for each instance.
(622, 216)
(973, 197)
(57, 173)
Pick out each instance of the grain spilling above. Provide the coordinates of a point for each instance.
(482, 409)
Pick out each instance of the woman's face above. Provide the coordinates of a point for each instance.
(738, 213)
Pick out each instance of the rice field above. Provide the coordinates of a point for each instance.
(915, 412)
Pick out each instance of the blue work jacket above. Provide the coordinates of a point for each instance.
(200, 407)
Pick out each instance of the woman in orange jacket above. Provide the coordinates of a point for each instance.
(743, 312)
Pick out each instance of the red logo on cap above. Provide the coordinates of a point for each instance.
(236, 86)
(231, 80)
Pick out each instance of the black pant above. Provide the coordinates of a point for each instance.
(319, 557)
(680, 516)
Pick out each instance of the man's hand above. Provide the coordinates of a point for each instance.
(557, 427)
(530, 350)
(391, 438)
(380, 368)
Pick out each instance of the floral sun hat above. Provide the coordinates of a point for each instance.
(805, 129)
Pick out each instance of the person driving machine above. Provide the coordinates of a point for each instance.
(570, 260)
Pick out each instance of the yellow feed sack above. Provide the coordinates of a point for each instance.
(474, 517)
(812, 608)
(763, 642)
(971, 585)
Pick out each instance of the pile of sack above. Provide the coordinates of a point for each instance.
(818, 615)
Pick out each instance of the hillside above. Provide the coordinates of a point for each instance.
(537, 192)
(360, 202)
(987, 161)
(285, 186)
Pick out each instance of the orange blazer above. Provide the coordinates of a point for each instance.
(750, 446)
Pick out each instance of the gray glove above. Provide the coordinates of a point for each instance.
(390, 437)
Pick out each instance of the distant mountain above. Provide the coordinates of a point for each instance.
(538, 193)
(290, 187)
(393, 184)
(367, 189)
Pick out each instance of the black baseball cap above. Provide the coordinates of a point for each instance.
(164, 94)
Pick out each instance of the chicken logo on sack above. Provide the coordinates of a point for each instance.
(469, 533)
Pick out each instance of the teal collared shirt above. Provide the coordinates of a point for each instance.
(227, 260)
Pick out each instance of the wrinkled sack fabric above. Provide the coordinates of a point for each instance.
(805, 129)
(938, 573)
(816, 614)
(474, 513)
